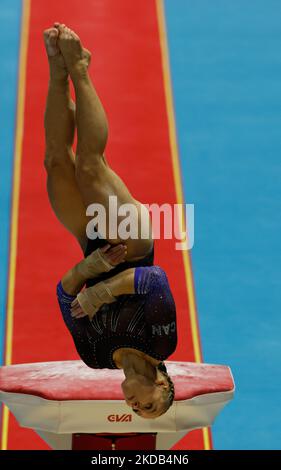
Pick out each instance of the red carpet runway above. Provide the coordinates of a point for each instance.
(129, 69)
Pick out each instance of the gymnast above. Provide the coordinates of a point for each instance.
(116, 304)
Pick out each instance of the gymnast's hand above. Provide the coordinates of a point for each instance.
(114, 254)
(89, 301)
(102, 260)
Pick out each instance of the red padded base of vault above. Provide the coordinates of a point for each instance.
(73, 380)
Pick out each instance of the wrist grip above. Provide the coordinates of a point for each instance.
(91, 299)
(94, 264)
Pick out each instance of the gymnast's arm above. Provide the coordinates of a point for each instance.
(140, 280)
(75, 278)
(122, 283)
(73, 281)
(101, 260)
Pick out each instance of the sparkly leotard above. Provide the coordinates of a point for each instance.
(145, 321)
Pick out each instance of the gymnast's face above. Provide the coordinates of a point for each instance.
(144, 396)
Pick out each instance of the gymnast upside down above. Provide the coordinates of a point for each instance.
(125, 317)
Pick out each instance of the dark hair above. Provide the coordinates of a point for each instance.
(171, 391)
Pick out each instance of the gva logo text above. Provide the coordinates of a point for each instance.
(119, 418)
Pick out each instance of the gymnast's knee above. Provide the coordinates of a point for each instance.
(89, 170)
(57, 159)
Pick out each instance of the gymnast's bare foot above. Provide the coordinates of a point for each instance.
(57, 65)
(76, 57)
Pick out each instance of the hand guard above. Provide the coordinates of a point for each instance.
(94, 265)
(92, 298)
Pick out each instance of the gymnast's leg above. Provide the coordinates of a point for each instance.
(64, 195)
(95, 178)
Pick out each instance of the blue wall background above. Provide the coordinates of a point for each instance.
(10, 19)
(226, 72)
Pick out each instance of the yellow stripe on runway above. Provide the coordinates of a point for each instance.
(15, 200)
(178, 184)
